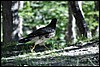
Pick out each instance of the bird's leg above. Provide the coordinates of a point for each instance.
(46, 47)
(33, 48)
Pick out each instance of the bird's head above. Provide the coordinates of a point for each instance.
(53, 23)
(54, 20)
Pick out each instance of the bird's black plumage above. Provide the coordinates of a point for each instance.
(44, 32)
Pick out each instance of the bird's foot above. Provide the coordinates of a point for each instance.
(32, 51)
(33, 47)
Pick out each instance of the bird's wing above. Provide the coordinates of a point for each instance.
(40, 32)
(37, 33)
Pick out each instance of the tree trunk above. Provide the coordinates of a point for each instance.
(7, 21)
(96, 29)
(17, 21)
(96, 9)
(70, 35)
(12, 27)
(80, 22)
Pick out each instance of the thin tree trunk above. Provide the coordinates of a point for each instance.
(96, 9)
(80, 22)
(17, 21)
(96, 29)
(70, 35)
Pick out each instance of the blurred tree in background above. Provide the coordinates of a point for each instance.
(91, 10)
(38, 13)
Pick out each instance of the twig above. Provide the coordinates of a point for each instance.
(91, 62)
(77, 64)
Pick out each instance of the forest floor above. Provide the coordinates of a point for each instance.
(86, 54)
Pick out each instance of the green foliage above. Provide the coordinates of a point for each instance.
(89, 13)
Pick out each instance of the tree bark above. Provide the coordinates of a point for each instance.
(17, 21)
(70, 35)
(12, 27)
(7, 21)
(96, 9)
(96, 29)
(80, 22)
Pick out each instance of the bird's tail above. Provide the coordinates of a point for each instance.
(24, 40)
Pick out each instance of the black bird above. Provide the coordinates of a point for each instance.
(40, 35)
